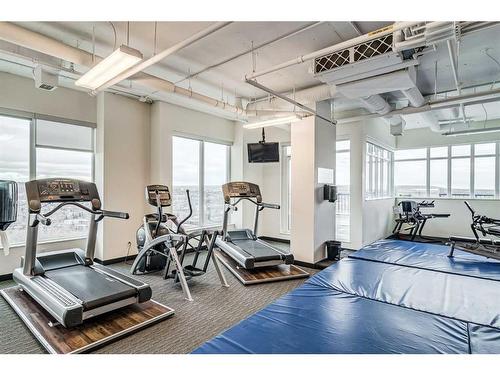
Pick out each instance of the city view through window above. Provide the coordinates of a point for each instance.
(202, 168)
(69, 222)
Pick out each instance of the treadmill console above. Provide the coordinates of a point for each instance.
(60, 190)
(152, 193)
(241, 189)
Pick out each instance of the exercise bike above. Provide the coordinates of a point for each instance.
(162, 242)
(487, 247)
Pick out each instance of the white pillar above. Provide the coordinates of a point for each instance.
(313, 219)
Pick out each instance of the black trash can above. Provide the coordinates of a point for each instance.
(333, 249)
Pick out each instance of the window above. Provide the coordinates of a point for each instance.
(484, 170)
(286, 184)
(378, 172)
(202, 168)
(64, 150)
(458, 171)
(343, 182)
(40, 148)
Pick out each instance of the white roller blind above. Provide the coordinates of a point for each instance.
(62, 135)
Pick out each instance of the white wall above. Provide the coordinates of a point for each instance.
(122, 169)
(19, 93)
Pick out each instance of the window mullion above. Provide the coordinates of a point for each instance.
(428, 173)
(472, 168)
(201, 182)
(32, 162)
(449, 172)
(497, 167)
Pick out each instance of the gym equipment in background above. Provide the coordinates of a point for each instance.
(410, 214)
(241, 247)
(162, 238)
(8, 210)
(487, 247)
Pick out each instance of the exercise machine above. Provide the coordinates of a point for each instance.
(242, 245)
(68, 284)
(163, 241)
(487, 247)
(410, 214)
(8, 210)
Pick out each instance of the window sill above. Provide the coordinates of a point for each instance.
(449, 199)
(378, 199)
(48, 242)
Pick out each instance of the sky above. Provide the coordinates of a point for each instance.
(186, 160)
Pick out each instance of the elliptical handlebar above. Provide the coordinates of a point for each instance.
(179, 225)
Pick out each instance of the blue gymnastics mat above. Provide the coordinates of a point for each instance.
(383, 299)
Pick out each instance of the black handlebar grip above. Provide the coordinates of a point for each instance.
(116, 214)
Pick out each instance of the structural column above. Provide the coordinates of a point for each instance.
(313, 165)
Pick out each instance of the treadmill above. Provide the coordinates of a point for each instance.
(68, 284)
(242, 245)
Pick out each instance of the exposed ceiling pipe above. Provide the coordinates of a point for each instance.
(41, 43)
(337, 47)
(454, 69)
(467, 99)
(160, 56)
(255, 48)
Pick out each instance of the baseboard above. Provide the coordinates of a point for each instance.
(275, 239)
(6, 277)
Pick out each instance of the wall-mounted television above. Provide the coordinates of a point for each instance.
(263, 152)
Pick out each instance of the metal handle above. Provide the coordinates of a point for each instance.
(270, 205)
(115, 214)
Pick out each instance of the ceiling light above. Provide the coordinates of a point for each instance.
(273, 122)
(472, 131)
(119, 61)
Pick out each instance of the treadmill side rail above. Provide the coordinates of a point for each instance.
(63, 306)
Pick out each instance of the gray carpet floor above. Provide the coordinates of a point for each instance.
(214, 309)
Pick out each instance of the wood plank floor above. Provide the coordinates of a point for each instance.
(263, 274)
(91, 334)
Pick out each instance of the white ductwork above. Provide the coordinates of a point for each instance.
(416, 99)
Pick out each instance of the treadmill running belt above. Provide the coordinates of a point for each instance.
(258, 250)
(91, 287)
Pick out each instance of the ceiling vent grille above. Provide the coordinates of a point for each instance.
(363, 51)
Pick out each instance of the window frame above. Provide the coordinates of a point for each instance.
(371, 176)
(32, 166)
(201, 170)
(346, 151)
(472, 157)
(285, 188)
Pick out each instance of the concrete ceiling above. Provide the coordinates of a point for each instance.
(226, 81)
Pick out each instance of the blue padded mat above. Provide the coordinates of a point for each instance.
(469, 299)
(380, 303)
(431, 257)
(314, 319)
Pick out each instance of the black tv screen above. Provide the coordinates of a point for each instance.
(263, 152)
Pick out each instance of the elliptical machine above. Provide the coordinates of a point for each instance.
(163, 241)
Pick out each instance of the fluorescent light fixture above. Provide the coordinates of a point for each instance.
(119, 61)
(272, 122)
(472, 131)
